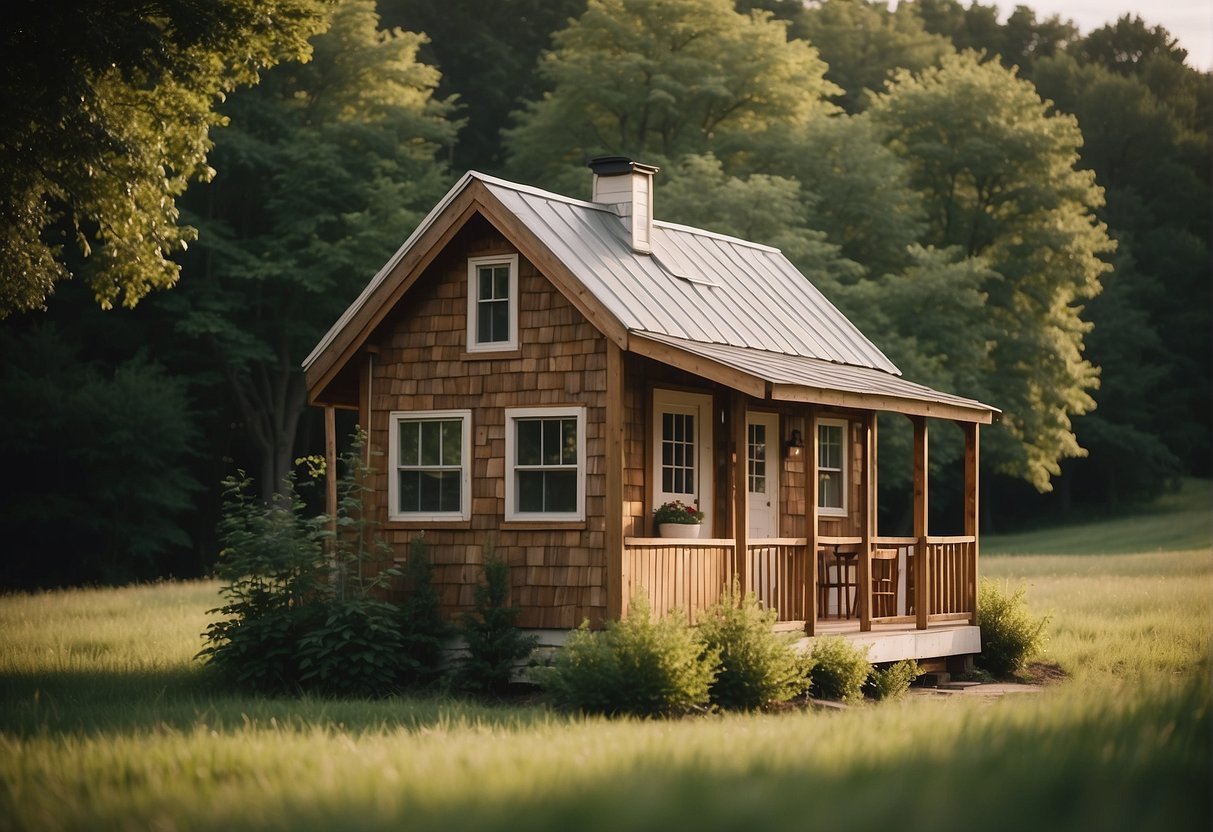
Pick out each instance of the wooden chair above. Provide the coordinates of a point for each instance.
(884, 582)
(835, 574)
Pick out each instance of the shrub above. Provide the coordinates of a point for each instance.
(637, 666)
(494, 644)
(272, 564)
(1010, 636)
(351, 647)
(839, 669)
(423, 632)
(757, 667)
(891, 681)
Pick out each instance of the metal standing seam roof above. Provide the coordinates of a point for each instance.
(793, 372)
(696, 285)
(739, 303)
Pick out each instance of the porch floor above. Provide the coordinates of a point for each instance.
(894, 642)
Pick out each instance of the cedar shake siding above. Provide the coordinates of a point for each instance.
(557, 568)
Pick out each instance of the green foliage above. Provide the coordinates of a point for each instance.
(757, 667)
(998, 172)
(352, 647)
(658, 81)
(891, 681)
(636, 666)
(863, 42)
(494, 644)
(107, 112)
(299, 618)
(677, 512)
(423, 631)
(97, 456)
(272, 566)
(322, 172)
(839, 669)
(1010, 636)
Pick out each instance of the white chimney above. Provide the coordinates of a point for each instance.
(627, 186)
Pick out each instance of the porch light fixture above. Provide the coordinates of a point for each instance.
(795, 445)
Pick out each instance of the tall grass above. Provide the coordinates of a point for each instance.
(107, 723)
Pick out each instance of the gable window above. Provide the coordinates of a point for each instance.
(831, 467)
(429, 465)
(545, 463)
(492, 303)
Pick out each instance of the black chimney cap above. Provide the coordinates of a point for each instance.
(618, 165)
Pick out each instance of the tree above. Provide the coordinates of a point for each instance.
(998, 174)
(862, 42)
(487, 54)
(326, 168)
(107, 111)
(763, 208)
(1128, 44)
(658, 81)
(98, 456)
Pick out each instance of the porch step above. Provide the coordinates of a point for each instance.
(935, 679)
(959, 685)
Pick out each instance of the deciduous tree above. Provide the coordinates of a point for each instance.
(107, 109)
(998, 172)
(325, 170)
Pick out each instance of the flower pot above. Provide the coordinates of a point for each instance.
(683, 530)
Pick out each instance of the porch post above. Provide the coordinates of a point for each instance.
(972, 498)
(864, 578)
(922, 572)
(330, 469)
(741, 519)
(812, 486)
(612, 536)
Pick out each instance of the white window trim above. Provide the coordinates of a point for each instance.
(515, 413)
(474, 264)
(677, 401)
(845, 428)
(465, 455)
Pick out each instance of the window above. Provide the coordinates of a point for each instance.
(429, 462)
(492, 303)
(682, 449)
(831, 467)
(756, 458)
(545, 463)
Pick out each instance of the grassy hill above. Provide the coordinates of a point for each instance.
(1175, 522)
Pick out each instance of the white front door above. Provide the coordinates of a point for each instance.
(762, 496)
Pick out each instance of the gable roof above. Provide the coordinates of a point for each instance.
(698, 293)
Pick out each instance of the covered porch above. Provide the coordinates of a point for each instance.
(832, 575)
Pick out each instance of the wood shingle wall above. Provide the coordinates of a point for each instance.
(557, 570)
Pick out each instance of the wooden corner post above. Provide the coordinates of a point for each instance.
(612, 538)
(330, 468)
(741, 517)
(972, 506)
(812, 532)
(864, 578)
(922, 571)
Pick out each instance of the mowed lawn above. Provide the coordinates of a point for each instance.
(106, 722)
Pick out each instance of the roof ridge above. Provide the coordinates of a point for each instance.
(597, 206)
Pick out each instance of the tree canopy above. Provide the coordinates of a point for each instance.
(324, 171)
(658, 81)
(107, 108)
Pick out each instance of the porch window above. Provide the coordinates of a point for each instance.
(492, 303)
(831, 468)
(429, 461)
(545, 463)
(681, 432)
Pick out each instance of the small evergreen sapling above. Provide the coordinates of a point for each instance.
(494, 645)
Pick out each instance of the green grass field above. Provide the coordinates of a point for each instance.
(107, 723)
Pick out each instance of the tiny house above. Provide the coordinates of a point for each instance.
(538, 374)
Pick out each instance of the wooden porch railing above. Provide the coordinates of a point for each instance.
(690, 575)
